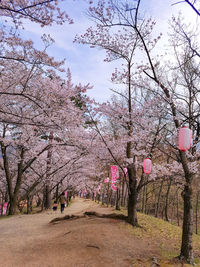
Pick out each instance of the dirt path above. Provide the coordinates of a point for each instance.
(29, 240)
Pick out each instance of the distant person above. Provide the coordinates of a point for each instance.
(55, 205)
(62, 202)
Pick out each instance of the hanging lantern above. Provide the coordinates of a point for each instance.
(184, 138)
(5, 208)
(113, 186)
(147, 166)
(114, 172)
(106, 180)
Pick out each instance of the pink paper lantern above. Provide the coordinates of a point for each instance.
(106, 180)
(184, 138)
(113, 186)
(147, 166)
(5, 208)
(114, 172)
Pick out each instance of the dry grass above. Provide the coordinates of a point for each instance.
(165, 236)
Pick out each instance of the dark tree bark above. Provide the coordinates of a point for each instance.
(108, 195)
(143, 198)
(126, 196)
(177, 207)
(132, 200)
(192, 5)
(167, 200)
(196, 211)
(57, 192)
(47, 191)
(39, 201)
(47, 197)
(12, 205)
(117, 204)
(186, 246)
(146, 200)
(123, 192)
(13, 194)
(158, 202)
(29, 204)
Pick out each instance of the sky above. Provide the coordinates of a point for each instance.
(86, 64)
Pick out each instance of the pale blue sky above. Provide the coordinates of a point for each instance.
(86, 64)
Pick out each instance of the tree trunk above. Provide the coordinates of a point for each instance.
(98, 198)
(12, 205)
(122, 194)
(38, 202)
(177, 205)
(117, 206)
(146, 199)
(126, 196)
(186, 246)
(196, 211)
(158, 202)
(57, 192)
(6, 197)
(13, 194)
(102, 197)
(47, 203)
(143, 199)
(166, 200)
(47, 197)
(108, 196)
(132, 200)
(29, 205)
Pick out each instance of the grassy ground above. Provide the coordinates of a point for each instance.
(5, 217)
(165, 237)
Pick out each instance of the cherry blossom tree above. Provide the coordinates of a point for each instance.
(51, 111)
(116, 17)
(148, 131)
(17, 53)
(39, 111)
(44, 12)
(120, 44)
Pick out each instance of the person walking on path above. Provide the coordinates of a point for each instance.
(62, 201)
(55, 205)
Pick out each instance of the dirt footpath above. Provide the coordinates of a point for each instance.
(30, 240)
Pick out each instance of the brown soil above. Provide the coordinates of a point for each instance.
(30, 240)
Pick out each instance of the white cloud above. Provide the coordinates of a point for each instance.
(87, 64)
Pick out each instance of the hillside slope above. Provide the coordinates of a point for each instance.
(30, 240)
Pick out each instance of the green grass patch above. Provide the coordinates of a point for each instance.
(5, 217)
(162, 235)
